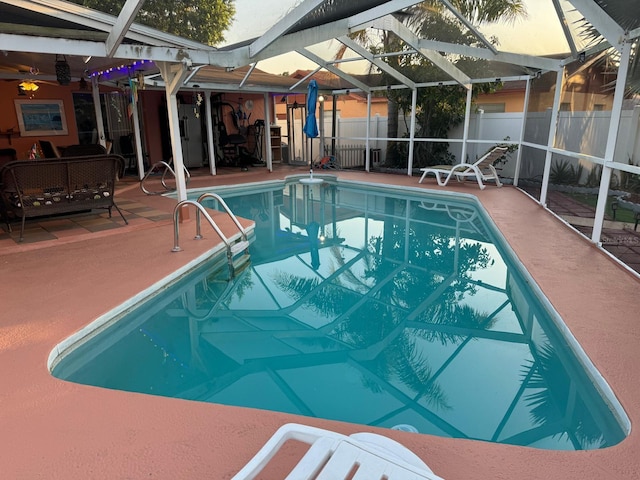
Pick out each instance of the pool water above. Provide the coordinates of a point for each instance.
(372, 306)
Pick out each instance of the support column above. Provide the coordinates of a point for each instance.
(137, 137)
(173, 75)
(211, 148)
(412, 130)
(267, 132)
(465, 131)
(367, 152)
(552, 135)
(616, 112)
(97, 106)
(525, 110)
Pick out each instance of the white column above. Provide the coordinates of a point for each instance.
(211, 148)
(367, 152)
(97, 106)
(552, 135)
(137, 137)
(465, 130)
(267, 131)
(525, 109)
(412, 130)
(616, 111)
(321, 124)
(173, 76)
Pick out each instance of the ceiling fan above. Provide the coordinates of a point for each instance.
(31, 83)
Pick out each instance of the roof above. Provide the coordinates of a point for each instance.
(95, 42)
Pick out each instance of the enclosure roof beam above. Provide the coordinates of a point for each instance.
(364, 20)
(602, 22)
(469, 25)
(303, 79)
(104, 22)
(34, 44)
(120, 28)
(336, 71)
(532, 61)
(282, 26)
(292, 41)
(382, 65)
(565, 28)
(411, 39)
(156, 82)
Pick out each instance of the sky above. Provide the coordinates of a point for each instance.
(538, 35)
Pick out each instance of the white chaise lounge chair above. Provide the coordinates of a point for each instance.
(333, 456)
(483, 169)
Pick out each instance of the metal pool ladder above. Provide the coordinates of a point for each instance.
(237, 249)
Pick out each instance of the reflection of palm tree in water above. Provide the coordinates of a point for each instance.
(399, 289)
(555, 407)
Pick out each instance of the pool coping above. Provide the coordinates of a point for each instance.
(62, 430)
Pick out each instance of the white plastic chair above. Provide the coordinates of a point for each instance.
(482, 170)
(333, 456)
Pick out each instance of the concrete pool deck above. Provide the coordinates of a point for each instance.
(53, 429)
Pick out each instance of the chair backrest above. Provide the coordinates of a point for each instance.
(126, 145)
(7, 155)
(490, 157)
(84, 150)
(49, 150)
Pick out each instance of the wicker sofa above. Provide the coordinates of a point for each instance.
(34, 188)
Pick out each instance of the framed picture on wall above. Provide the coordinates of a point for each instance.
(41, 117)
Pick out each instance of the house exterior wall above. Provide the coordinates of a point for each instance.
(9, 117)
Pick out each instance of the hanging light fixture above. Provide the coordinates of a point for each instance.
(63, 70)
(28, 86)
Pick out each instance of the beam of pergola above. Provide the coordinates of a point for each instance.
(602, 22)
(381, 64)
(411, 39)
(93, 19)
(336, 71)
(469, 25)
(282, 26)
(120, 28)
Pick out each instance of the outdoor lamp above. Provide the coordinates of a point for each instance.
(63, 70)
(614, 207)
(28, 86)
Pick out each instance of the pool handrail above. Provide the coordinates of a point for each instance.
(233, 248)
(167, 168)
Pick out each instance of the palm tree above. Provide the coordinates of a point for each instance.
(625, 14)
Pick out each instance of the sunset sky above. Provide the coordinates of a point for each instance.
(539, 34)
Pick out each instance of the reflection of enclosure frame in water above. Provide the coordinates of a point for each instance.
(285, 318)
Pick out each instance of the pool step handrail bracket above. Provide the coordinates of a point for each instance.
(237, 250)
(155, 168)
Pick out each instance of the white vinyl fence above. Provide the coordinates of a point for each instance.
(580, 132)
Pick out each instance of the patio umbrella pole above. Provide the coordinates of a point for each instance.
(311, 126)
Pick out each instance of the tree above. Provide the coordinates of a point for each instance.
(203, 21)
(438, 108)
(625, 14)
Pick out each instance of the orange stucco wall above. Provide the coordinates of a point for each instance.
(349, 106)
(9, 117)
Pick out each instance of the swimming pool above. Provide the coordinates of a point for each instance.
(369, 305)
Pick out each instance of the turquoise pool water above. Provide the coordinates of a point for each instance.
(367, 305)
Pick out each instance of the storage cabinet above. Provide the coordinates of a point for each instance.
(276, 143)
